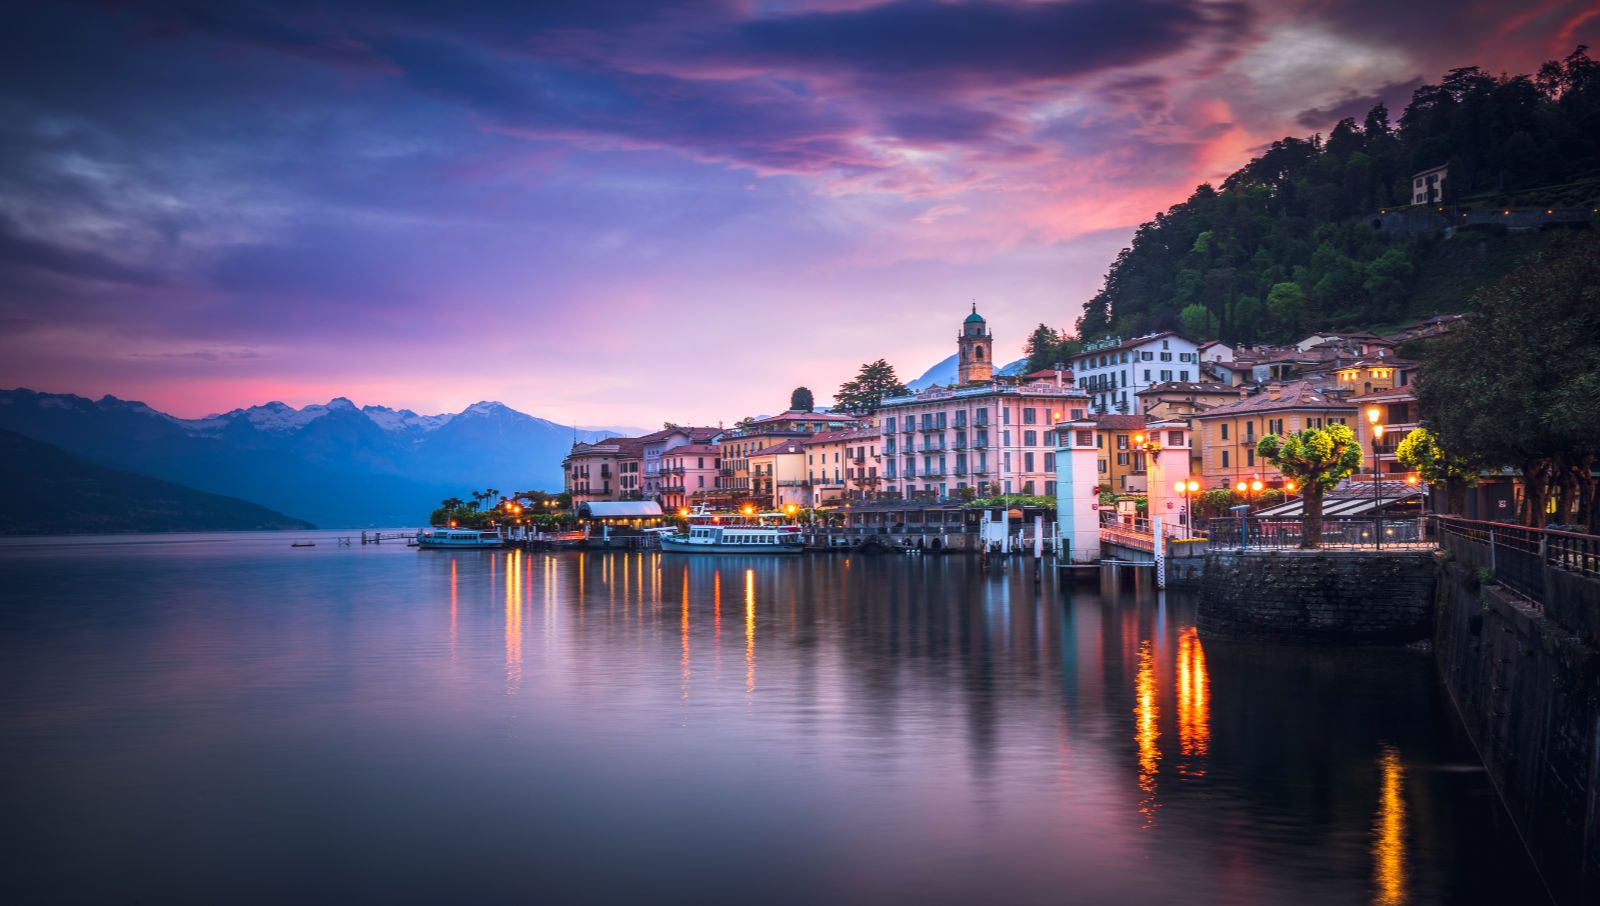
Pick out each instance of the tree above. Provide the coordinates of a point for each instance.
(863, 394)
(1536, 408)
(1421, 452)
(1316, 459)
(1198, 322)
(1286, 305)
(800, 400)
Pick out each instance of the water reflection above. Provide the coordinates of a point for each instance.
(1147, 732)
(1389, 832)
(926, 731)
(1194, 702)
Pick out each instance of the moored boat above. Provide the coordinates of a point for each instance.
(711, 533)
(459, 539)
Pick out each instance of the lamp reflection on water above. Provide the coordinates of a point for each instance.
(513, 621)
(1194, 701)
(749, 630)
(1389, 833)
(1147, 732)
(684, 629)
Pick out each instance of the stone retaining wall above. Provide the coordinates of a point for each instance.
(1318, 597)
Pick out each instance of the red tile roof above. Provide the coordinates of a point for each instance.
(1295, 395)
(787, 446)
(1119, 422)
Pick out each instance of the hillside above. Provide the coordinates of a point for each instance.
(50, 492)
(1288, 243)
(336, 464)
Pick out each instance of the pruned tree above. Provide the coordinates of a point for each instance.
(801, 400)
(1316, 459)
(866, 392)
(1421, 452)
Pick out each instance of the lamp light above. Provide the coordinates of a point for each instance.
(1373, 414)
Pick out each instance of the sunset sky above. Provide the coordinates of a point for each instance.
(629, 212)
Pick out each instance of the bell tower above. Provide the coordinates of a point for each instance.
(976, 344)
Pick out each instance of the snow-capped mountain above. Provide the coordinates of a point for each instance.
(334, 463)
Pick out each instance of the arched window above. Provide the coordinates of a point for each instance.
(978, 352)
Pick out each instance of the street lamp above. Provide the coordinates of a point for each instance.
(1373, 414)
(1186, 488)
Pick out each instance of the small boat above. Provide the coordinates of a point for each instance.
(717, 533)
(459, 539)
(303, 544)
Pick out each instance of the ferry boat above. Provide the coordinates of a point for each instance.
(713, 533)
(459, 539)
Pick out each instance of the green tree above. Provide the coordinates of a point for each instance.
(1421, 452)
(800, 400)
(866, 391)
(1041, 347)
(1536, 409)
(1198, 322)
(1316, 459)
(1286, 305)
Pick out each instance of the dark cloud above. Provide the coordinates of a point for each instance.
(1394, 96)
(930, 43)
(18, 250)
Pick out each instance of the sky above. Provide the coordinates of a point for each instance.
(630, 211)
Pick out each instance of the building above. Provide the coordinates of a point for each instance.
(689, 474)
(1230, 431)
(778, 475)
(607, 469)
(978, 439)
(828, 463)
(1427, 186)
(975, 348)
(1364, 376)
(1121, 464)
(652, 446)
(1112, 371)
(863, 464)
(1397, 413)
(758, 434)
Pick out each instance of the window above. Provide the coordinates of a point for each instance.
(1049, 486)
(1224, 427)
(888, 425)
(1122, 441)
(1250, 456)
(1085, 438)
(1147, 356)
(1030, 416)
(1147, 375)
(1050, 466)
(1102, 465)
(1183, 375)
(1027, 462)
(1174, 438)
(1166, 376)
(1030, 438)
(1224, 459)
(1122, 459)
(1005, 416)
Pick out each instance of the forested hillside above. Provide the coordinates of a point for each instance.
(1286, 243)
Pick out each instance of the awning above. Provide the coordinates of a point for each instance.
(620, 509)
(1336, 506)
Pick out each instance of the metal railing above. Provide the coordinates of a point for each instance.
(1337, 532)
(1518, 555)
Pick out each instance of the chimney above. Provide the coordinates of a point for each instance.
(1059, 368)
(1274, 390)
(1244, 391)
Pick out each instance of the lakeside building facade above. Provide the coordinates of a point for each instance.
(1121, 463)
(688, 470)
(1114, 370)
(1231, 431)
(778, 475)
(740, 445)
(994, 436)
(829, 470)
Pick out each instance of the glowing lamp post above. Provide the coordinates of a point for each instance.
(1373, 414)
(1186, 488)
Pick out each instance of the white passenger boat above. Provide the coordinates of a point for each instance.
(715, 533)
(459, 539)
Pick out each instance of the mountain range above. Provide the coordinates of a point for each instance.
(63, 494)
(334, 464)
(944, 373)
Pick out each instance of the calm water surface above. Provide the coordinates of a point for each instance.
(225, 719)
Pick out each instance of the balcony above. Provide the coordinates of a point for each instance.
(981, 443)
(958, 445)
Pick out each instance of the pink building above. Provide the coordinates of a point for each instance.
(989, 437)
(686, 470)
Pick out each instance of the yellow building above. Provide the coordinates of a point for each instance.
(778, 475)
(1371, 375)
(1121, 465)
(1231, 431)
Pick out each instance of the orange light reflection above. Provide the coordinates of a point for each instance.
(1147, 732)
(1389, 833)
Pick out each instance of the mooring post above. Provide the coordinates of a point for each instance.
(1160, 552)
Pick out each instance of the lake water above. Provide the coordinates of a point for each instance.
(224, 719)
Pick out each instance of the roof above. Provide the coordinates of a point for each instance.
(1295, 395)
(974, 318)
(1189, 387)
(786, 446)
(1387, 393)
(831, 437)
(1130, 344)
(795, 415)
(693, 448)
(619, 509)
(1351, 498)
(1210, 343)
(1118, 422)
(1048, 374)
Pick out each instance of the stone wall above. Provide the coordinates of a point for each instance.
(1528, 689)
(1318, 597)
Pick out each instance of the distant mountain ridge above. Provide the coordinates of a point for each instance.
(63, 494)
(945, 373)
(336, 464)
